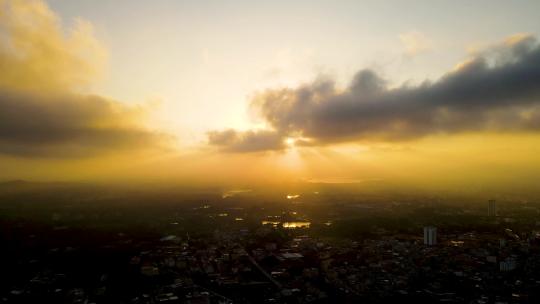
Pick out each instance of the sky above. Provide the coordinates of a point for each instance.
(416, 92)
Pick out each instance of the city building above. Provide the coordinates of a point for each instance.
(492, 208)
(430, 235)
(508, 264)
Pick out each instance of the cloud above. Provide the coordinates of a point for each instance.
(37, 53)
(495, 91)
(248, 141)
(414, 42)
(69, 125)
(43, 68)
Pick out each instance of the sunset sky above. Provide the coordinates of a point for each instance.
(431, 93)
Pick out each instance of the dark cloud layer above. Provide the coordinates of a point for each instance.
(495, 91)
(249, 141)
(42, 66)
(66, 124)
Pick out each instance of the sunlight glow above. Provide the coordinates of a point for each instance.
(290, 141)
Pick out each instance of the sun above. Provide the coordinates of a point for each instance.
(290, 141)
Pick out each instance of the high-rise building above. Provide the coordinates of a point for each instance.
(430, 235)
(492, 208)
(508, 264)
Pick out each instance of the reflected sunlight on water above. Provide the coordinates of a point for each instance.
(290, 225)
(296, 224)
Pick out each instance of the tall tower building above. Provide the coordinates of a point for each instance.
(430, 235)
(492, 208)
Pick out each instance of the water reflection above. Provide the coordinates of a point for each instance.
(288, 225)
(296, 224)
(273, 223)
(234, 192)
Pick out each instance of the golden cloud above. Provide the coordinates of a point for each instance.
(43, 68)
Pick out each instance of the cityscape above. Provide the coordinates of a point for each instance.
(301, 248)
(268, 152)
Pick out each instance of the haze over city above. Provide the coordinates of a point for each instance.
(269, 151)
(237, 92)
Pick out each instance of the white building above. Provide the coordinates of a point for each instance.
(508, 264)
(492, 208)
(430, 235)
